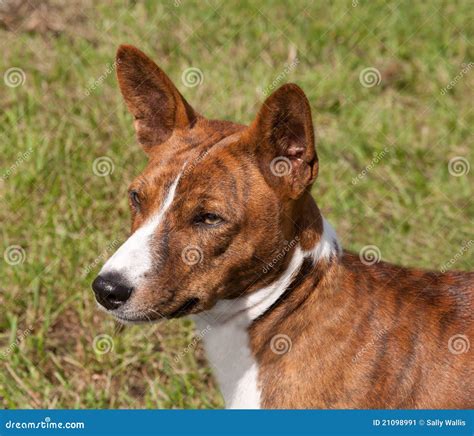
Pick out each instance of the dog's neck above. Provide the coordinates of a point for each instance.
(251, 306)
(226, 325)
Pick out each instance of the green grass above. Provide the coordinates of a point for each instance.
(66, 218)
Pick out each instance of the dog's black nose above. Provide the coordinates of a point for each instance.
(111, 290)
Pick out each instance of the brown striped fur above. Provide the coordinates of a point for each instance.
(369, 337)
(361, 336)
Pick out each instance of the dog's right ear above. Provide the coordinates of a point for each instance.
(151, 97)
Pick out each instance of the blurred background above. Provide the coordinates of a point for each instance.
(390, 85)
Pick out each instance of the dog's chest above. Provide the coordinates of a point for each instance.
(230, 357)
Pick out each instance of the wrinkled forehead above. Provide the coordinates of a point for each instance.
(206, 164)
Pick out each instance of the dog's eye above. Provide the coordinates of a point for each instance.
(209, 219)
(135, 198)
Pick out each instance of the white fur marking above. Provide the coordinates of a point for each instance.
(227, 341)
(328, 245)
(133, 258)
(231, 360)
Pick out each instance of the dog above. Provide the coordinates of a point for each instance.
(225, 230)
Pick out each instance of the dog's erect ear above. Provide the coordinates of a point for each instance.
(284, 140)
(151, 97)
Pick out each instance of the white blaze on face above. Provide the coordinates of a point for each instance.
(134, 259)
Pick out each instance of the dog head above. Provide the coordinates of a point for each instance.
(216, 202)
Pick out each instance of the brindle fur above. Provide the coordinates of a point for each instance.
(362, 336)
(401, 319)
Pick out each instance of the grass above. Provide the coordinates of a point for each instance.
(68, 112)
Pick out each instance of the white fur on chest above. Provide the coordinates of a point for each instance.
(228, 350)
(226, 339)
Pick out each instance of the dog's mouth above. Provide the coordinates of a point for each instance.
(140, 318)
(185, 309)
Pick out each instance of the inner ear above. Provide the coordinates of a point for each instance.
(284, 137)
(155, 103)
(288, 133)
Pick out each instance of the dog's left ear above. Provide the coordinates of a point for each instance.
(283, 137)
(151, 97)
